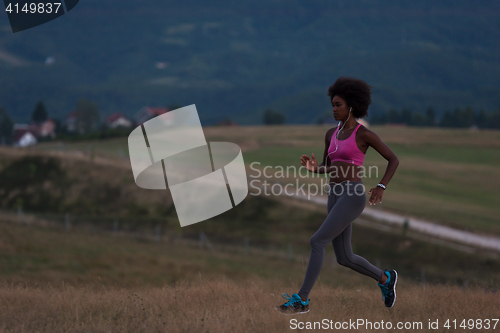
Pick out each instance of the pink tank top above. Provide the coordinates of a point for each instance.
(347, 150)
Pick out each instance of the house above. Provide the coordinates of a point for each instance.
(70, 122)
(146, 113)
(117, 120)
(44, 129)
(22, 136)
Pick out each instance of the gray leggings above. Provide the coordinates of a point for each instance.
(346, 201)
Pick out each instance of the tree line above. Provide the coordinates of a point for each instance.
(458, 118)
(87, 120)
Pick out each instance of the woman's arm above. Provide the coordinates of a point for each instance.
(374, 141)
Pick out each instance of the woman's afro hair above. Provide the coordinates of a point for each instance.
(355, 92)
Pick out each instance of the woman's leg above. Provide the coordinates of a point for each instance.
(345, 209)
(345, 257)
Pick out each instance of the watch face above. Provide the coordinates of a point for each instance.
(26, 14)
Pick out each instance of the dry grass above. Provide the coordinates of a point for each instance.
(56, 281)
(53, 281)
(100, 185)
(74, 282)
(224, 305)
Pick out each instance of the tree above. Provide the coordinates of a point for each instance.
(481, 119)
(87, 116)
(378, 117)
(458, 118)
(322, 119)
(418, 119)
(273, 117)
(447, 120)
(466, 117)
(392, 116)
(430, 114)
(406, 116)
(6, 127)
(39, 113)
(494, 119)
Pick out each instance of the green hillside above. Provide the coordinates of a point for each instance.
(448, 176)
(236, 59)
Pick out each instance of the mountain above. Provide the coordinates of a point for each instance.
(235, 59)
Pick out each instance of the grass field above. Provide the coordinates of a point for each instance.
(84, 279)
(53, 254)
(225, 305)
(449, 176)
(89, 281)
(102, 190)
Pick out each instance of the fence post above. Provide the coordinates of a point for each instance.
(158, 233)
(290, 252)
(171, 237)
(406, 225)
(202, 240)
(19, 214)
(246, 246)
(67, 223)
(115, 228)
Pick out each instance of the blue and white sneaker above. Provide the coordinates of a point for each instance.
(389, 288)
(294, 305)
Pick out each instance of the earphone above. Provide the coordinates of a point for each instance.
(337, 137)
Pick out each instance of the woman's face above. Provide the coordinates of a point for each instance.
(340, 108)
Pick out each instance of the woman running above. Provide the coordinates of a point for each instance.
(345, 149)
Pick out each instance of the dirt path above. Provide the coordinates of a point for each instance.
(421, 226)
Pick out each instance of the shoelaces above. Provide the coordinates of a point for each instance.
(290, 299)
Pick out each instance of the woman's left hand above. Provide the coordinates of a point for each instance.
(311, 164)
(376, 195)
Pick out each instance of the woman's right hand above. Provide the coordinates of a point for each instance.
(311, 164)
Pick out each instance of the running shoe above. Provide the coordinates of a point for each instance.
(389, 288)
(294, 305)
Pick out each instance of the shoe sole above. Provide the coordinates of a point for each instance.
(289, 314)
(395, 281)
